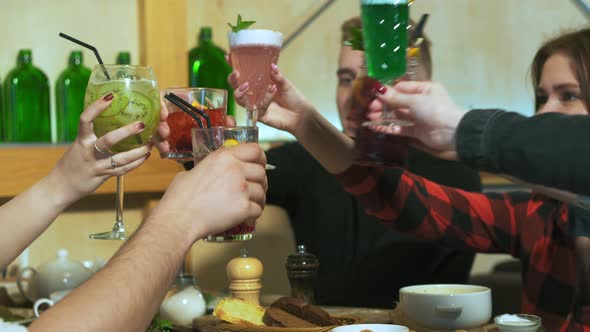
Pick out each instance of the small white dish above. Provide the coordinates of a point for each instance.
(518, 323)
(371, 328)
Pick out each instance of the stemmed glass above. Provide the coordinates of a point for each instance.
(385, 36)
(136, 98)
(251, 53)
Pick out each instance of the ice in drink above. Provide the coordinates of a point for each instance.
(212, 102)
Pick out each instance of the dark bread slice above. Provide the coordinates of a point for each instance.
(305, 311)
(280, 318)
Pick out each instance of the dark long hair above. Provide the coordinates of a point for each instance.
(576, 46)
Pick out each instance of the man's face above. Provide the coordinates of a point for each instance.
(350, 63)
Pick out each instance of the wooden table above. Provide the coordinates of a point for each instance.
(366, 315)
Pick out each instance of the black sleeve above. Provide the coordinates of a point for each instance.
(283, 182)
(445, 172)
(548, 149)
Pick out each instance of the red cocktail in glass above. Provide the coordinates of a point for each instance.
(211, 101)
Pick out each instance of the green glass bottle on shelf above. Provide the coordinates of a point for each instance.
(26, 102)
(207, 67)
(123, 58)
(70, 89)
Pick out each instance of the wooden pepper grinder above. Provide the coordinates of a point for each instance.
(244, 275)
(302, 269)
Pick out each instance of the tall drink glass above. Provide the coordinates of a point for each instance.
(252, 52)
(207, 140)
(212, 102)
(136, 99)
(385, 35)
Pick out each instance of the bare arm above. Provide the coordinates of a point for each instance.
(126, 293)
(79, 172)
(225, 189)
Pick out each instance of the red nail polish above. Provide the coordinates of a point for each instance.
(108, 97)
(141, 125)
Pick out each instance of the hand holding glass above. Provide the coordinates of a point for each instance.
(251, 53)
(207, 140)
(136, 98)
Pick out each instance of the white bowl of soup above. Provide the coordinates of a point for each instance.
(447, 306)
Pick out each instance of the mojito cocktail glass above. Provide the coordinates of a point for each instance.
(136, 98)
(213, 102)
(207, 140)
(252, 52)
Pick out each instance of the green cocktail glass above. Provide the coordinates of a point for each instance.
(136, 98)
(385, 35)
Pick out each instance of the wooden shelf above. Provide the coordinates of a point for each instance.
(23, 165)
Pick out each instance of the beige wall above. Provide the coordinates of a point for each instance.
(481, 52)
(109, 25)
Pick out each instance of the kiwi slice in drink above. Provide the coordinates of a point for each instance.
(120, 101)
(138, 108)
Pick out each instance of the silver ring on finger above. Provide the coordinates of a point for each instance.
(114, 164)
(99, 150)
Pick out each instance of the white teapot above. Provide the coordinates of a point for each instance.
(59, 274)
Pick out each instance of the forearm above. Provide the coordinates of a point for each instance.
(453, 217)
(28, 215)
(127, 292)
(548, 149)
(329, 146)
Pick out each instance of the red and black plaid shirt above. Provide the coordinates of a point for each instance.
(532, 228)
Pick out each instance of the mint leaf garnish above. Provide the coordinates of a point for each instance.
(240, 25)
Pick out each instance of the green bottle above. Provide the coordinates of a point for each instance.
(26, 94)
(207, 67)
(123, 58)
(69, 97)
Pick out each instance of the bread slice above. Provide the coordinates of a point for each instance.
(238, 311)
(280, 318)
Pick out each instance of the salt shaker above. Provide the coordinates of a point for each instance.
(302, 268)
(184, 302)
(244, 275)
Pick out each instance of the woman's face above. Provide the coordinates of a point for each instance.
(559, 90)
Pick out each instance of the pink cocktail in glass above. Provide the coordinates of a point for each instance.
(252, 52)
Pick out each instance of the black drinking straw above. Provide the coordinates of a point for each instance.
(90, 47)
(180, 103)
(419, 30)
(182, 107)
(192, 108)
